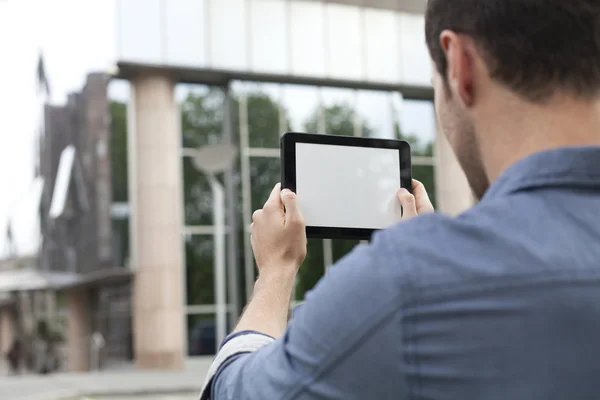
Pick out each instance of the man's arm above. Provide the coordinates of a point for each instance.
(344, 343)
(279, 244)
(268, 309)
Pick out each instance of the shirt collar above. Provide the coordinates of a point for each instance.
(560, 167)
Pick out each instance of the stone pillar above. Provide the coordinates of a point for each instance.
(454, 194)
(155, 196)
(8, 329)
(78, 330)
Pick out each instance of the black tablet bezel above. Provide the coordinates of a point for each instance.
(288, 172)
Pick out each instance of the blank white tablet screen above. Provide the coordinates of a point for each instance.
(347, 186)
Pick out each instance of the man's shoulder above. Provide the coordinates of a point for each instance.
(437, 251)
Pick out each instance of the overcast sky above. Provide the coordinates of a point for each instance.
(79, 36)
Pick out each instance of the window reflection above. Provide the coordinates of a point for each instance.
(382, 36)
(139, 30)
(300, 103)
(376, 111)
(201, 115)
(416, 63)
(344, 41)
(197, 195)
(341, 247)
(338, 108)
(264, 174)
(199, 270)
(202, 334)
(264, 115)
(269, 35)
(228, 48)
(311, 270)
(416, 123)
(307, 38)
(120, 242)
(184, 19)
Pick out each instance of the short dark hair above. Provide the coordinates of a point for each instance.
(534, 47)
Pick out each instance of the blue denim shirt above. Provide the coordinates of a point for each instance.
(499, 303)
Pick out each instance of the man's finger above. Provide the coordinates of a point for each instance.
(274, 200)
(419, 190)
(422, 197)
(292, 212)
(409, 205)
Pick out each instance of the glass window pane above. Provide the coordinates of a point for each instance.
(263, 115)
(344, 38)
(375, 109)
(184, 25)
(201, 115)
(265, 172)
(339, 112)
(199, 271)
(118, 151)
(416, 63)
(139, 30)
(228, 48)
(120, 241)
(300, 103)
(382, 37)
(311, 270)
(307, 38)
(197, 195)
(202, 334)
(426, 174)
(417, 125)
(341, 247)
(268, 36)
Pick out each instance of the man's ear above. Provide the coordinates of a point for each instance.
(461, 63)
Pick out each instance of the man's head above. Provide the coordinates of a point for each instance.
(530, 49)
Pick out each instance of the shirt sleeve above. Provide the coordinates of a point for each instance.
(343, 343)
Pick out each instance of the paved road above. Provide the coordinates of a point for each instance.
(130, 384)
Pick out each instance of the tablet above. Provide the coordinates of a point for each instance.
(346, 186)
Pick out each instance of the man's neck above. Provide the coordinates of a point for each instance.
(514, 129)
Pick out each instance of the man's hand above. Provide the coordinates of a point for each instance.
(416, 203)
(279, 244)
(278, 234)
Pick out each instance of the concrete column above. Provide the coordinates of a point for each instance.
(155, 195)
(78, 330)
(8, 329)
(454, 194)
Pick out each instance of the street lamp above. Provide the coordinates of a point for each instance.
(211, 160)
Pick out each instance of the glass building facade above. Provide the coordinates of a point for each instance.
(283, 65)
(304, 38)
(260, 113)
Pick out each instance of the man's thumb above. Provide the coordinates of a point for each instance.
(409, 205)
(290, 202)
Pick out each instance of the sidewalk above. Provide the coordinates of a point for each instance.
(118, 383)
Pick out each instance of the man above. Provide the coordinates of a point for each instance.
(501, 302)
